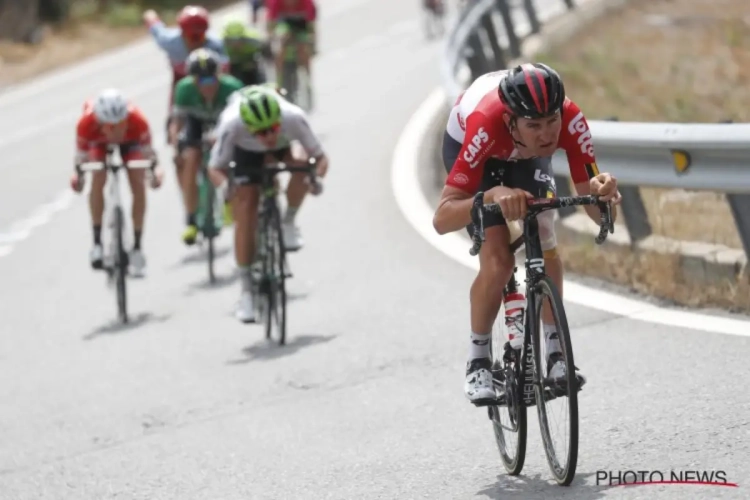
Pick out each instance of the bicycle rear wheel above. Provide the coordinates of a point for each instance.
(209, 228)
(275, 277)
(562, 463)
(120, 265)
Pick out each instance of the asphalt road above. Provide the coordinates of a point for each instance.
(366, 400)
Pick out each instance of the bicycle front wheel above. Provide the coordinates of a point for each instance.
(273, 279)
(120, 265)
(556, 397)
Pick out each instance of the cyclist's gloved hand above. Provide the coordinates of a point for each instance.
(77, 182)
(157, 176)
(512, 202)
(605, 186)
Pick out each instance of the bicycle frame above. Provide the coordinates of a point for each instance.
(526, 373)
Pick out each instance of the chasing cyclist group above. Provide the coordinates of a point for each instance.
(499, 139)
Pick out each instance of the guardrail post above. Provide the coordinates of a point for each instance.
(497, 51)
(514, 44)
(740, 206)
(533, 19)
(633, 209)
(477, 59)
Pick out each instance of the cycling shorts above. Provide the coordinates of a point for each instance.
(191, 134)
(249, 164)
(251, 76)
(299, 29)
(533, 175)
(128, 151)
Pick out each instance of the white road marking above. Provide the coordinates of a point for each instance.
(418, 212)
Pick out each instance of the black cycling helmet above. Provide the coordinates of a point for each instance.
(532, 91)
(203, 63)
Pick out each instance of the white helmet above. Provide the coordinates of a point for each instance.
(110, 107)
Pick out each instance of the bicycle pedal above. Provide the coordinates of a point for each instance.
(497, 401)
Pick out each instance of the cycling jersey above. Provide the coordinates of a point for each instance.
(476, 122)
(280, 10)
(171, 41)
(188, 100)
(89, 135)
(244, 52)
(232, 133)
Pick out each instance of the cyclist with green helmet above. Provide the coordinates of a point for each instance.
(257, 128)
(199, 99)
(245, 47)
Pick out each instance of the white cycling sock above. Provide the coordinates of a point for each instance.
(552, 344)
(291, 213)
(480, 346)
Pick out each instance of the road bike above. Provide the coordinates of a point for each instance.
(520, 378)
(270, 266)
(210, 213)
(115, 261)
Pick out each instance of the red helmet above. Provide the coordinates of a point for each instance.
(193, 20)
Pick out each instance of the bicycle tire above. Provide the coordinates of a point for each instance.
(513, 463)
(209, 229)
(275, 255)
(120, 266)
(545, 287)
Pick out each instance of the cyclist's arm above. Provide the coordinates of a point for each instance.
(454, 210)
(576, 140)
(299, 129)
(83, 137)
(272, 15)
(180, 107)
(163, 36)
(226, 138)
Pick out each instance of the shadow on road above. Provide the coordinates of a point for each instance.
(200, 255)
(136, 321)
(267, 350)
(542, 487)
(204, 284)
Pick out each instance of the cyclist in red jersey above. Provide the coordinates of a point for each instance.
(110, 119)
(500, 137)
(292, 21)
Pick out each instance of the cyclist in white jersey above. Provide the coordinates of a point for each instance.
(257, 127)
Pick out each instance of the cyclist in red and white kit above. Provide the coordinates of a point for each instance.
(500, 137)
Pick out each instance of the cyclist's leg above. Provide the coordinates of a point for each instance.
(137, 180)
(303, 39)
(284, 33)
(496, 264)
(247, 180)
(191, 158)
(296, 191)
(96, 205)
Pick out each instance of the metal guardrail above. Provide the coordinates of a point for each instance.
(713, 157)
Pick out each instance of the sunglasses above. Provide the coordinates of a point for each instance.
(207, 80)
(266, 131)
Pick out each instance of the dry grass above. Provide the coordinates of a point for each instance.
(667, 60)
(87, 35)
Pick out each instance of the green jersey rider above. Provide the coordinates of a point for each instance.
(245, 47)
(199, 99)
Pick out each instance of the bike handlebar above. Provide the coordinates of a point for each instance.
(89, 166)
(280, 166)
(537, 206)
